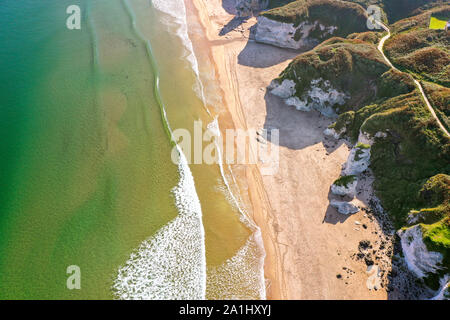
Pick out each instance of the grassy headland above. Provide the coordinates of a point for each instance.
(411, 160)
(417, 49)
(346, 16)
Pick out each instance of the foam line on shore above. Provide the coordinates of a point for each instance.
(172, 263)
(176, 9)
(258, 253)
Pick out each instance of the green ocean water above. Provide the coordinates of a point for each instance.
(85, 172)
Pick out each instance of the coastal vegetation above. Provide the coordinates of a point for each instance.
(352, 66)
(392, 10)
(417, 49)
(346, 16)
(344, 180)
(410, 153)
(439, 97)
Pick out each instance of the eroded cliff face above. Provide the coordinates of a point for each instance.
(247, 8)
(288, 35)
(321, 96)
(418, 258)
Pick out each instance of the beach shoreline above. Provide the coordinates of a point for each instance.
(309, 247)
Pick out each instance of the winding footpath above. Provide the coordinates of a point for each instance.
(380, 48)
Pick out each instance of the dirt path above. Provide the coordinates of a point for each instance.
(428, 104)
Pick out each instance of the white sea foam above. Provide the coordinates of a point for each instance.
(176, 9)
(239, 277)
(172, 263)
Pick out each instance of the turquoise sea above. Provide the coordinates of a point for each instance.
(86, 176)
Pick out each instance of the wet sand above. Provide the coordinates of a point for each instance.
(308, 244)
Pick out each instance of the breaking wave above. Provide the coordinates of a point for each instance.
(172, 263)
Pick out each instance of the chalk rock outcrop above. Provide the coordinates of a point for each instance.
(247, 8)
(346, 190)
(331, 132)
(417, 257)
(320, 96)
(358, 160)
(344, 207)
(444, 290)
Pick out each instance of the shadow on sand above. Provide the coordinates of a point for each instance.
(299, 130)
(229, 6)
(259, 55)
(233, 24)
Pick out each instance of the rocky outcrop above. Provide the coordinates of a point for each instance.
(414, 217)
(358, 160)
(247, 8)
(331, 132)
(287, 35)
(320, 96)
(444, 290)
(344, 207)
(284, 90)
(374, 280)
(417, 257)
(345, 190)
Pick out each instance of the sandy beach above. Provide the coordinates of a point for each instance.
(310, 248)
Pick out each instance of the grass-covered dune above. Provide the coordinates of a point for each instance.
(414, 150)
(399, 9)
(434, 219)
(439, 98)
(368, 36)
(392, 10)
(346, 16)
(410, 160)
(352, 66)
(416, 48)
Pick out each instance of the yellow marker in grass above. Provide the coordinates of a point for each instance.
(439, 24)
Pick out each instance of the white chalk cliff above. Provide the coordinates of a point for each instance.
(333, 133)
(358, 161)
(417, 257)
(344, 207)
(321, 96)
(348, 191)
(287, 35)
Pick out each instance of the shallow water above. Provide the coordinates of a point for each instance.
(86, 172)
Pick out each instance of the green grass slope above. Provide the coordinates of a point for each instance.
(411, 164)
(352, 66)
(348, 17)
(417, 49)
(439, 98)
